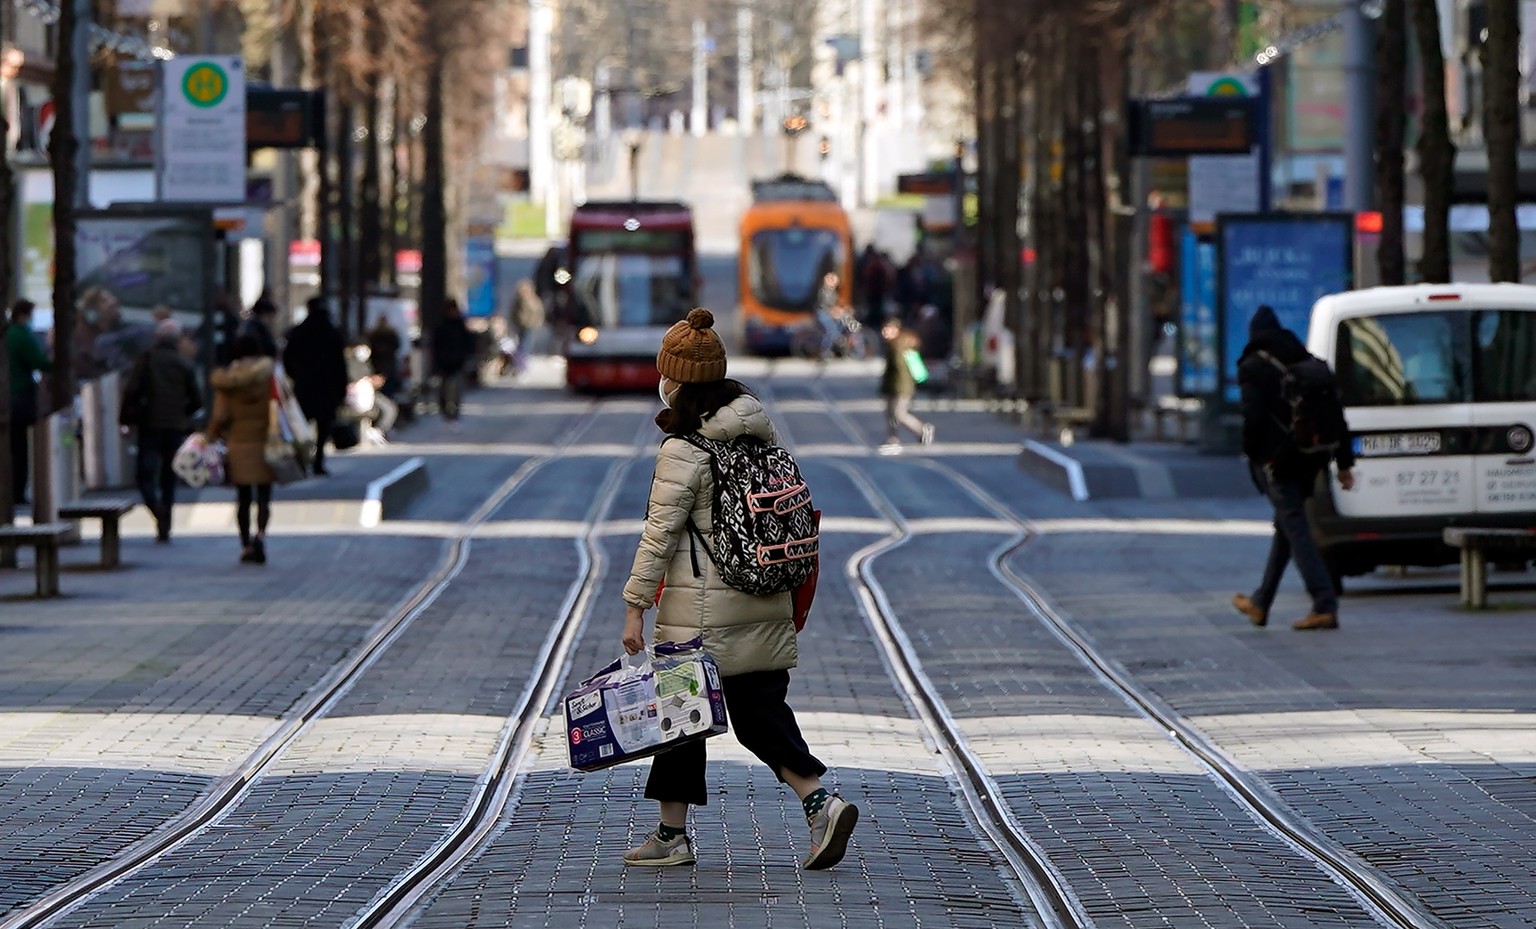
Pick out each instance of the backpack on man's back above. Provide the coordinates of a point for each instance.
(1310, 393)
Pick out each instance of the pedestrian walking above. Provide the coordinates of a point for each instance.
(1289, 397)
(242, 417)
(384, 346)
(99, 315)
(528, 318)
(876, 275)
(159, 399)
(752, 638)
(26, 357)
(898, 385)
(315, 358)
(262, 325)
(452, 346)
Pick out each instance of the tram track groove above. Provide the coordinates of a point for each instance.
(498, 790)
(1044, 888)
(1384, 902)
(321, 698)
(1048, 890)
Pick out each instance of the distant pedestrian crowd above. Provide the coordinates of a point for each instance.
(276, 402)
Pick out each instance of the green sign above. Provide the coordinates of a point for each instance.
(205, 85)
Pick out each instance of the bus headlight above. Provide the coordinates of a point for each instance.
(587, 336)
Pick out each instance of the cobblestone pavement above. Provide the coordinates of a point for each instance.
(1401, 737)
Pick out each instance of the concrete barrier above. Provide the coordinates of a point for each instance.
(390, 494)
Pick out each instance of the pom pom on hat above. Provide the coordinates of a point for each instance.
(691, 351)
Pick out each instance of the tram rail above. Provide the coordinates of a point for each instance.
(339, 681)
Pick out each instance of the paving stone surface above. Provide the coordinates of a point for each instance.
(1402, 736)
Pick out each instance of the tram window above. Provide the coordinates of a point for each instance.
(785, 266)
(632, 290)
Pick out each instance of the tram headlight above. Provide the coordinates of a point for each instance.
(587, 335)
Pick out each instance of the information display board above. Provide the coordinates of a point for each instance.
(1282, 260)
(1198, 346)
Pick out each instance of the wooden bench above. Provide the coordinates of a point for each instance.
(45, 539)
(1475, 545)
(111, 513)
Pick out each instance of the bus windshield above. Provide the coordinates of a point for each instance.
(630, 289)
(785, 266)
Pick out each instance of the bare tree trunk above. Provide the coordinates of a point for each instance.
(1391, 114)
(1501, 129)
(325, 206)
(1437, 154)
(371, 199)
(434, 203)
(986, 158)
(7, 223)
(349, 312)
(63, 150)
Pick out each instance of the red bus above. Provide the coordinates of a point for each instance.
(633, 272)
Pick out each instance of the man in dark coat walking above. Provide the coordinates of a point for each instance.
(452, 347)
(316, 360)
(1285, 474)
(159, 399)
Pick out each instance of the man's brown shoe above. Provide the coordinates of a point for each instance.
(1248, 608)
(1317, 621)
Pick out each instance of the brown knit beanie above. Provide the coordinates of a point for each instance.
(691, 352)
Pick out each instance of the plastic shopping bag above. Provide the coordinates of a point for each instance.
(198, 462)
(644, 704)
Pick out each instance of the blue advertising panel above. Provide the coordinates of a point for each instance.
(1198, 347)
(480, 269)
(1282, 260)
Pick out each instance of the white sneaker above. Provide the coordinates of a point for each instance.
(830, 831)
(654, 853)
(889, 448)
(928, 434)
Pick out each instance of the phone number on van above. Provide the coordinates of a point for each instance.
(1397, 443)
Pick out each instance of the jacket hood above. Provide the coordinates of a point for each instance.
(242, 374)
(742, 416)
(1264, 320)
(1281, 343)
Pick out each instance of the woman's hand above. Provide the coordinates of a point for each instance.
(634, 629)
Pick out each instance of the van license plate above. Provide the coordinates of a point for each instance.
(1398, 443)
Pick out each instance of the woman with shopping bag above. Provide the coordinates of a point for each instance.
(243, 414)
(750, 637)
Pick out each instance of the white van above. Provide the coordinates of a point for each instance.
(1439, 387)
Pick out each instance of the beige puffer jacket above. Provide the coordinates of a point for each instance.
(743, 632)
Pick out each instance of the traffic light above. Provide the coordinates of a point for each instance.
(825, 147)
(795, 125)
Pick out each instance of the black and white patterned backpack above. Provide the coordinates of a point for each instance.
(765, 532)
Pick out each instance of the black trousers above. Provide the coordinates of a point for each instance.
(761, 720)
(21, 459)
(157, 482)
(325, 424)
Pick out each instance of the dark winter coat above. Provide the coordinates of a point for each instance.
(316, 361)
(161, 391)
(452, 346)
(1266, 414)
